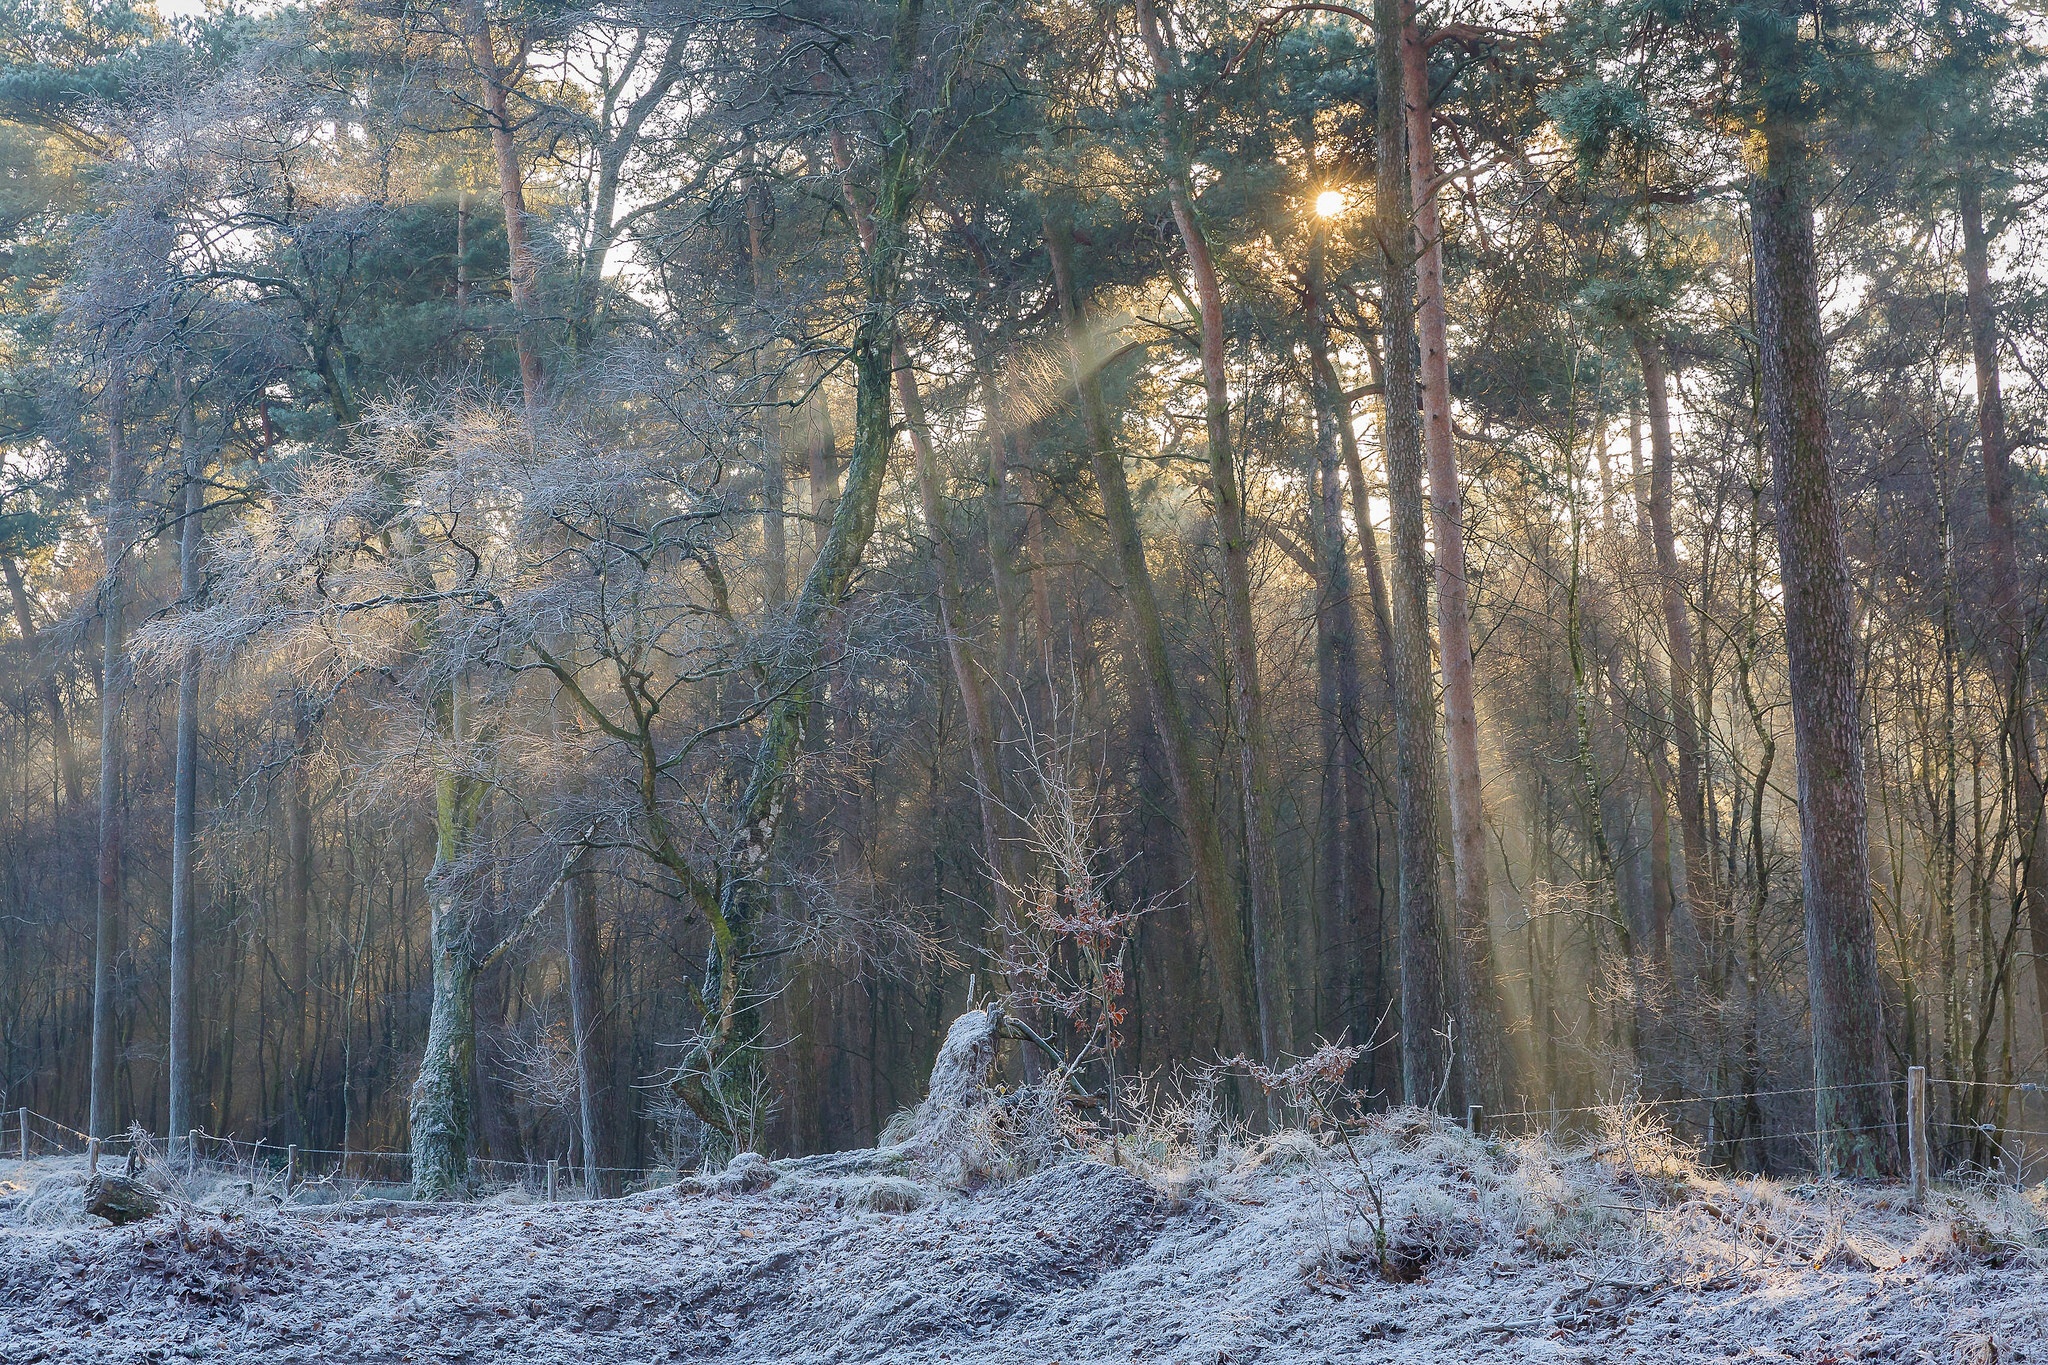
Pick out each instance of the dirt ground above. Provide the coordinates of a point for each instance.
(1522, 1252)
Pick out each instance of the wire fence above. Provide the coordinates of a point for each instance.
(1980, 1127)
(1997, 1128)
(302, 1173)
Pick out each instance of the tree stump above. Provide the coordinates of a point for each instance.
(120, 1200)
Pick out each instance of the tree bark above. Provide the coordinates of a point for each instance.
(2007, 604)
(184, 816)
(1270, 954)
(1481, 1027)
(1425, 1025)
(1217, 922)
(1853, 1107)
(107, 918)
(442, 1104)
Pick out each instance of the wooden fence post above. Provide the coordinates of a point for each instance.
(291, 1166)
(1916, 1130)
(1473, 1113)
(24, 1137)
(192, 1152)
(553, 1166)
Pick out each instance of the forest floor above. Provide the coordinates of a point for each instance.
(1616, 1249)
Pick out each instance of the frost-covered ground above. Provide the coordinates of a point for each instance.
(1618, 1252)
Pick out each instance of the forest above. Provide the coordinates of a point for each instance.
(583, 576)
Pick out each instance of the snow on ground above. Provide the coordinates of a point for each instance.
(1619, 1252)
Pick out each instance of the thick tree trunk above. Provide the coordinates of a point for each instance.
(442, 1107)
(1480, 1027)
(184, 815)
(1685, 726)
(1425, 1021)
(53, 697)
(523, 274)
(2007, 604)
(113, 737)
(1853, 1104)
(1270, 964)
(1217, 922)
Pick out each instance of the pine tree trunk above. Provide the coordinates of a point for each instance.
(1480, 1027)
(1361, 977)
(107, 919)
(2008, 606)
(1270, 955)
(523, 274)
(1853, 1105)
(1217, 922)
(1425, 1021)
(184, 817)
(1678, 639)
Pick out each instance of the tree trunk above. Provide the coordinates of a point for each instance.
(1657, 757)
(1685, 726)
(590, 1021)
(184, 816)
(1425, 1025)
(1480, 1027)
(1355, 868)
(2007, 604)
(730, 1052)
(523, 274)
(1217, 923)
(113, 737)
(1853, 1105)
(299, 909)
(1270, 956)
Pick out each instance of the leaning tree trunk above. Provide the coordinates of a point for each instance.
(1425, 1025)
(1481, 1028)
(113, 736)
(1247, 702)
(1216, 923)
(185, 785)
(2008, 606)
(729, 1055)
(1853, 1105)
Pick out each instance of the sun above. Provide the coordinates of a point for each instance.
(1329, 203)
